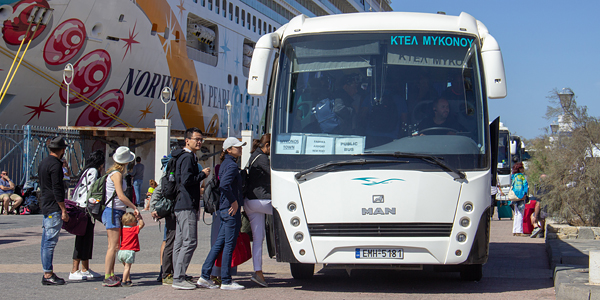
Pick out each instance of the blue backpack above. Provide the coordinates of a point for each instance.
(327, 118)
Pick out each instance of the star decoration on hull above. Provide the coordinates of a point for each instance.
(168, 36)
(130, 41)
(181, 10)
(38, 110)
(225, 48)
(145, 111)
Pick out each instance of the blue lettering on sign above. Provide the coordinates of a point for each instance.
(447, 41)
(404, 40)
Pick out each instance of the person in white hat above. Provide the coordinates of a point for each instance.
(229, 212)
(116, 206)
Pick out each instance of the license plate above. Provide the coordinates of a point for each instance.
(379, 253)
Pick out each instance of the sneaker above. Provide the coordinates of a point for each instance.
(206, 283)
(53, 280)
(183, 285)
(168, 280)
(232, 286)
(535, 232)
(89, 274)
(127, 283)
(76, 276)
(259, 281)
(111, 281)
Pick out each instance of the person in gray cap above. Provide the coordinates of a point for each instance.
(52, 205)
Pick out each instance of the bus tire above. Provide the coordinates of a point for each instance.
(302, 271)
(471, 272)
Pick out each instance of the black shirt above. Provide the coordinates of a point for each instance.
(189, 176)
(51, 184)
(259, 182)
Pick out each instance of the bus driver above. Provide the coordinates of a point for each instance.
(440, 124)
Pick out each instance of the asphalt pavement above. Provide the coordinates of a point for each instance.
(517, 267)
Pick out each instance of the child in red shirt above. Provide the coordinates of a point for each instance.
(130, 243)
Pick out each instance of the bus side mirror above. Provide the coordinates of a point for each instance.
(493, 65)
(262, 58)
(513, 147)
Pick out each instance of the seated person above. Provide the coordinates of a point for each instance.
(441, 111)
(7, 188)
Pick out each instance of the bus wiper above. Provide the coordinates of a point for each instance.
(457, 174)
(346, 163)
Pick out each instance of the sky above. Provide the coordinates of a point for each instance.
(545, 45)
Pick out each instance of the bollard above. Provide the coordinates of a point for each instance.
(594, 269)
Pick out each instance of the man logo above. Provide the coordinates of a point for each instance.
(377, 198)
(379, 211)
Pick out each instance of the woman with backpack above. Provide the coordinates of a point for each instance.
(116, 206)
(84, 244)
(229, 210)
(259, 201)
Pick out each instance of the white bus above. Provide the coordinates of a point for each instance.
(380, 141)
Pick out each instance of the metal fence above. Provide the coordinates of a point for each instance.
(22, 148)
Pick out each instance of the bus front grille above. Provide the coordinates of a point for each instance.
(381, 229)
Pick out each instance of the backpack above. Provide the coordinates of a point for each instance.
(97, 197)
(327, 118)
(32, 205)
(212, 195)
(245, 173)
(169, 191)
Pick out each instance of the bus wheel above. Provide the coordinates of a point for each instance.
(302, 271)
(471, 272)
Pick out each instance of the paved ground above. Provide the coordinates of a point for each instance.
(517, 267)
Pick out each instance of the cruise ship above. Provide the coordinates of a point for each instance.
(123, 53)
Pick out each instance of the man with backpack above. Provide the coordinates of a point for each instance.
(52, 205)
(188, 177)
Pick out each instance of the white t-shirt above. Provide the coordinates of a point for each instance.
(110, 189)
(80, 195)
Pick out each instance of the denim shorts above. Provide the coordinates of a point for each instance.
(108, 220)
(126, 256)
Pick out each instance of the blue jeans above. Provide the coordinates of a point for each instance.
(50, 230)
(226, 240)
(137, 185)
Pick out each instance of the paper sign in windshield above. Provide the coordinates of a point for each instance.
(319, 145)
(289, 144)
(349, 145)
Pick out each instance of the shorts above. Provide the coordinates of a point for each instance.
(108, 220)
(126, 256)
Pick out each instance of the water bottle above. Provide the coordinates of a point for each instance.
(171, 176)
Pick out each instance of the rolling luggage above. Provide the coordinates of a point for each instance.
(504, 210)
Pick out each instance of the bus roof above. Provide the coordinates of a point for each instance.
(384, 21)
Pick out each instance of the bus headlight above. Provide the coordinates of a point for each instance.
(461, 237)
(458, 253)
(295, 221)
(302, 252)
(465, 222)
(291, 206)
(298, 237)
(468, 207)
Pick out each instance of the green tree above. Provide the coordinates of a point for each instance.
(570, 158)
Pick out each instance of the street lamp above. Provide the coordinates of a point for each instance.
(68, 79)
(565, 96)
(228, 106)
(165, 97)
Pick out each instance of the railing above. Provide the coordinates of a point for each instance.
(23, 148)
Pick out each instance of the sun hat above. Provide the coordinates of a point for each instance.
(57, 143)
(123, 155)
(232, 142)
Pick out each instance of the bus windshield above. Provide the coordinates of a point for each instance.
(503, 153)
(341, 95)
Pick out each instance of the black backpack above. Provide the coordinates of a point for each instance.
(169, 189)
(245, 173)
(212, 195)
